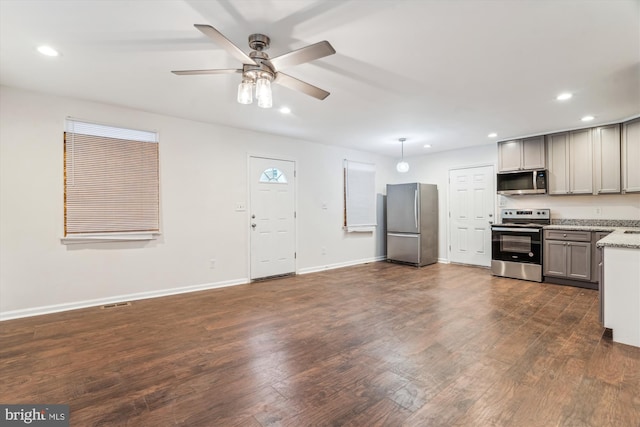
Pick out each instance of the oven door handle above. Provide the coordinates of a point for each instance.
(516, 229)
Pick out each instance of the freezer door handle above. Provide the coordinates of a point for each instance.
(412, 236)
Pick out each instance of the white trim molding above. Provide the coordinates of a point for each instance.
(37, 311)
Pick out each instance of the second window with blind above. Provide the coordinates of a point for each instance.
(111, 181)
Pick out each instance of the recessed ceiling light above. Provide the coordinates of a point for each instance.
(564, 96)
(492, 135)
(285, 110)
(427, 145)
(587, 118)
(48, 51)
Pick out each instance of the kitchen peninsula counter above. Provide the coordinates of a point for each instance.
(619, 275)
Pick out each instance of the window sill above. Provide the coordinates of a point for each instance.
(109, 237)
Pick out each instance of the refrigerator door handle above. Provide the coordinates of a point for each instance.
(411, 236)
(415, 208)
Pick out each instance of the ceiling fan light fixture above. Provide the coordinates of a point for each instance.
(265, 102)
(263, 88)
(245, 89)
(263, 92)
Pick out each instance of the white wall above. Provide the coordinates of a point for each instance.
(203, 174)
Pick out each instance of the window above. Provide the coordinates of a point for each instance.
(359, 196)
(273, 175)
(111, 182)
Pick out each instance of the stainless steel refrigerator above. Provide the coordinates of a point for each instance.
(412, 223)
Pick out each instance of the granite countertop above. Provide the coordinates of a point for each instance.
(620, 239)
(617, 239)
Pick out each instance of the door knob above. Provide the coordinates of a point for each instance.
(253, 225)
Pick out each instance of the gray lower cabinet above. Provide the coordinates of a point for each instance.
(567, 254)
(598, 269)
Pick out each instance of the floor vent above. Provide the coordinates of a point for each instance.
(115, 305)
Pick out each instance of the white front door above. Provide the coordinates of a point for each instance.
(471, 212)
(272, 217)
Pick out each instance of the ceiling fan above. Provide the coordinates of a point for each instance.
(258, 70)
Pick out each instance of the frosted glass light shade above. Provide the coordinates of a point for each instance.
(244, 92)
(402, 167)
(263, 88)
(263, 93)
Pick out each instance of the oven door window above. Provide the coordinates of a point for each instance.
(517, 246)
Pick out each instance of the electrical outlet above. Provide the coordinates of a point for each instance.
(241, 207)
(212, 263)
(323, 250)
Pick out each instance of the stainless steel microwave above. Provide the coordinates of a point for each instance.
(522, 182)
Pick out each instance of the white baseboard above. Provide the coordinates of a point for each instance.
(37, 311)
(444, 261)
(339, 265)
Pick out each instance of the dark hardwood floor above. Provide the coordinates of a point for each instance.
(377, 344)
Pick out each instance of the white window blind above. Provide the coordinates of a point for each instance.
(111, 180)
(360, 196)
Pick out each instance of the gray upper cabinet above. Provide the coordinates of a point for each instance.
(558, 162)
(521, 154)
(570, 162)
(631, 156)
(580, 162)
(606, 159)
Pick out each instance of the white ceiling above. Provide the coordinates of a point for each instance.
(444, 73)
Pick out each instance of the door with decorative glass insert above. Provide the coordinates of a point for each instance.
(272, 217)
(471, 206)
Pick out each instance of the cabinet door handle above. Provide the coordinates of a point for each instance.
(564, 235)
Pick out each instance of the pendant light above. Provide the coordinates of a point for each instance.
(402, 166)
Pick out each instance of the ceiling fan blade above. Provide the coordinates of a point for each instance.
(225, 43)
(300, 56)
(295, 84)
(194, 72)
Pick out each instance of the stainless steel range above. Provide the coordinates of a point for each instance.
(516, 243)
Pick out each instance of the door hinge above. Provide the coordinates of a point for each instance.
(295, 214)
(449, 214)
(295, 255)
(295, 173)
(449, 247)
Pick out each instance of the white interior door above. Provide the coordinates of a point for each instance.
(272, 217)
(471, 212)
